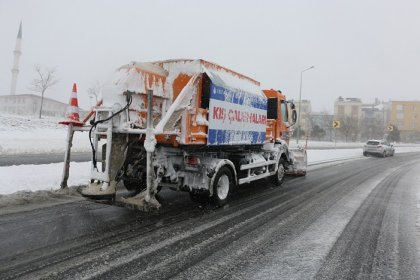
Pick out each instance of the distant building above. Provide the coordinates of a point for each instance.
(304, 113)
(349, 112)
(348, 107)
(405, 115)
(375, 119)
(29, 105)
(376, 113)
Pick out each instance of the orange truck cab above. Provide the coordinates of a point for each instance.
(280, 116)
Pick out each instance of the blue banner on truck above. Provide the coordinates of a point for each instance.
(236, 117)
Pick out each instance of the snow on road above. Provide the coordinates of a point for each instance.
(20, 135)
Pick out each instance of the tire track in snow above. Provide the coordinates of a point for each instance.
(124, 267)
(187, 243)
(297, 257)
(376, 242)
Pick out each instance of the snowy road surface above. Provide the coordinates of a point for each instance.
(352, 220)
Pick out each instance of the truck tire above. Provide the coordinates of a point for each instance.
(278, 178)
(222, 186)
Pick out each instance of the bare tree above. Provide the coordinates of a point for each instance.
(321, 124)
(45, 79)
(349, 128)
(95, 91)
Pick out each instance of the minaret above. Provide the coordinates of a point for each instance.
(17, 52)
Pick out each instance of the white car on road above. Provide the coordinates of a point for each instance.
(378, 147)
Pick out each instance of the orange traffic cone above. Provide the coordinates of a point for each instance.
(72, 113)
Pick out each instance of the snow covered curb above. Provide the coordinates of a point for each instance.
(41, 177)
(28, 200)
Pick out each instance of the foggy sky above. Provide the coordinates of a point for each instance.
(360, 48)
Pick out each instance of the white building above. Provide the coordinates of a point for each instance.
(30, 104)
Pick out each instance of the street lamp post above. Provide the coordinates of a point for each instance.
(300, 102)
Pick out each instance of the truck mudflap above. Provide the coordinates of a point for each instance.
(299, 162)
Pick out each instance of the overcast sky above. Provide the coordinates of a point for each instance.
(360, 48)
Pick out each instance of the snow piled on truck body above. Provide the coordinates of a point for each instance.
(237, 105)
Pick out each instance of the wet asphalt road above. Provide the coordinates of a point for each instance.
(355, 220)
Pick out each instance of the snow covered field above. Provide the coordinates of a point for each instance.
(20, 135)
(25, 135)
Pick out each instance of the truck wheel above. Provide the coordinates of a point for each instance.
(222, 186)
(384, 154)
(278, 178)
(365, 154)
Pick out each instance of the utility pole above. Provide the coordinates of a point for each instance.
(300, 102)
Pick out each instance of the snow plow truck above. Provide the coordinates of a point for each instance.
(188, 125)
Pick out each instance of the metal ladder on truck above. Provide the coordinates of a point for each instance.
(103, 129)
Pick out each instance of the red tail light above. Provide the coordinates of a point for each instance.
(192, 160)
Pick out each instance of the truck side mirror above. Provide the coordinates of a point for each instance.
(292, 113)
(294, 116)
(292, 105)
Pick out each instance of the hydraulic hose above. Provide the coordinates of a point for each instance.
(129, 99)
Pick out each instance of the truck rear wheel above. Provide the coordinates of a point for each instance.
(222, 186)
(278, 178)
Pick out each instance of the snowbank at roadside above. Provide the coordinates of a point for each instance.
(26, 135)
(41, 177)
